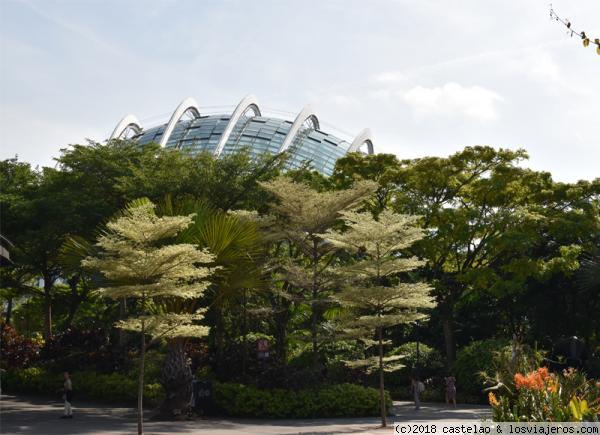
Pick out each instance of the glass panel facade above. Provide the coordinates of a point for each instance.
(260, 133)
(322, 148)
(202, 134)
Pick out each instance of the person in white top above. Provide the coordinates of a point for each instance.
(67, 395)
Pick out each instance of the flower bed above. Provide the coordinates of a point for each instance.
(549, 397)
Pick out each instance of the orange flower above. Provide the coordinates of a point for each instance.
(521, 381)
(493, 400)
(534, 380)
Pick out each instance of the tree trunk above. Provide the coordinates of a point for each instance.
(75, 301)
(447, 315)
(47, 307)
(244, 348)
(314, 336)
(282, 322)
(122, 316)
(366, 368)
(381, 390)
(220, 328)
(9, 310)
(314, 304)
(177, 381)
(73, 307)
(140, 415)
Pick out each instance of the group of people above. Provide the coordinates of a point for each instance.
(417, 386)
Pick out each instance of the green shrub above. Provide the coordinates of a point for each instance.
(472, 360)
(330, 354)
(230, 399)
(154, 362)
(33, 380)
(331, 401)
(115, 388)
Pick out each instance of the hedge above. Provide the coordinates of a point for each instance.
(346, 400)
(87, 385)
(229, 399)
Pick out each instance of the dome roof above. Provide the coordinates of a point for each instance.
(223, 134)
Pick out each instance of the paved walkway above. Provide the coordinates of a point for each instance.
(39, 416)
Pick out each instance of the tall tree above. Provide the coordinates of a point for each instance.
(484, 217)
(133, 257)
(303, 216)
(381, 242)
(37, 216)
(106, 173)
(227, 182)
(355, 167)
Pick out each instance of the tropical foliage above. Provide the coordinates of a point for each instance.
(480, 250)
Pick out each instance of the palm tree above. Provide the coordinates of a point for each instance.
(235, 244)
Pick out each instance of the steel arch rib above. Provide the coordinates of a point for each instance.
(363, 136)
(309, 111)
(248, 102)
(187, 104)
(129, 121)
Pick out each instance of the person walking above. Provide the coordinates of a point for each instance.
(67, 396)
(451, 392)
(414, 384)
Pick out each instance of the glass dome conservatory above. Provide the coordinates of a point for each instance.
(224, 133)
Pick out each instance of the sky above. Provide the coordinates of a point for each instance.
(428, 77)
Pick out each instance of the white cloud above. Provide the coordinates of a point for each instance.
(391, 77)
(342, 100)
(475, 102)
(381, 94)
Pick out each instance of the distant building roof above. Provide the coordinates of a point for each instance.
(222, 134)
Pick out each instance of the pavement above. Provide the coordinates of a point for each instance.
(39, 415)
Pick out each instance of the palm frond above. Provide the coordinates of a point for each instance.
(231, 239)
(335, 312)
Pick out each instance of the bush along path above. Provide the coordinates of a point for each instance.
(331, 401)
(113, 388)
(233, 400)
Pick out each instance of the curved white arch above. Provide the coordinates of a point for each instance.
(363, 136)
(309, 112)
(129, 121)
(248, 102)
(189, 104)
